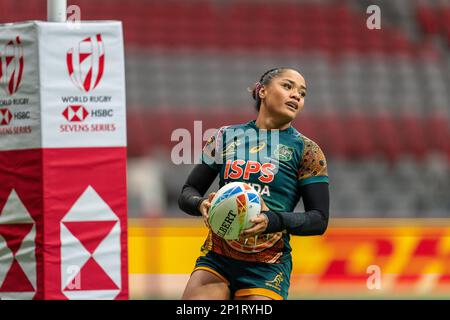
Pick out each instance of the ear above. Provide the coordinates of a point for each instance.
(262, 92)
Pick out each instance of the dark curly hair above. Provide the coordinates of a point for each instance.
(265, 79)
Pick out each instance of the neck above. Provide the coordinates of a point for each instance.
(268, 122)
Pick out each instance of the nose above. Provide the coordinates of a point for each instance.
(295, 95)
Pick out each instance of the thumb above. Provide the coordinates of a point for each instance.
(211, 196)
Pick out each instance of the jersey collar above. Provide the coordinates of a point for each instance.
(252, 124)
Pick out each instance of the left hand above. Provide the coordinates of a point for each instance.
(260, 225)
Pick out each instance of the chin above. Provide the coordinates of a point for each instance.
(287, 116)
(282, 115)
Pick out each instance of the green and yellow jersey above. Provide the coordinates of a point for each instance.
(277, 163)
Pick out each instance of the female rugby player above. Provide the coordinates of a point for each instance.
(284, 166)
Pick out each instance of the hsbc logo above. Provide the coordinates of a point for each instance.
(75, 113)
(11, 66)
(5, 117)
(86, 63)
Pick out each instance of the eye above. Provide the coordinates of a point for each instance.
(303, 94)
(287, 85)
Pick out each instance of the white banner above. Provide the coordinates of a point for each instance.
(62, 102)
(63, 87)
(83, 86)
(19, 87)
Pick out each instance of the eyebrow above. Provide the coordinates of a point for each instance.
(293, 83)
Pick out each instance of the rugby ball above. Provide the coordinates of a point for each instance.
(232, 208)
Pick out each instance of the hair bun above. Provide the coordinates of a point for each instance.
(254, 90)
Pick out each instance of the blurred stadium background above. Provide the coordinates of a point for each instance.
(378, 104)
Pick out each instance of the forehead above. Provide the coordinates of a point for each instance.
(293, 76)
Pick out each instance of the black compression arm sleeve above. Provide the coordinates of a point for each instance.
(198, 182)
(312, 222)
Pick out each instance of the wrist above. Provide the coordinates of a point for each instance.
(263, 213)
(274, 222)
(199, 204)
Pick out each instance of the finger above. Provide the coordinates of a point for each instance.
(248, 234)
(252, 231)
(258, 219)
(204, 211)
(211, 196)
(206, 220)
(206, 207)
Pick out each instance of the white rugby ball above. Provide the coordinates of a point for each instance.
(232, 208)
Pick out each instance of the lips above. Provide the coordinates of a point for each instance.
(292, 104)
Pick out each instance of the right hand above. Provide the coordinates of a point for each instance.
(204, 208)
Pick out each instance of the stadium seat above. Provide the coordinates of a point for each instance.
(439, 134)
(428, 19)
(413, 136)
(387, 137)
(359, 136)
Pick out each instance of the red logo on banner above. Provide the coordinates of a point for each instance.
(11, 66)
(16, 279)
(86, 63)
(17, 235)
(92, 230)
(75, 113)
(5, 117)
(92, 275)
